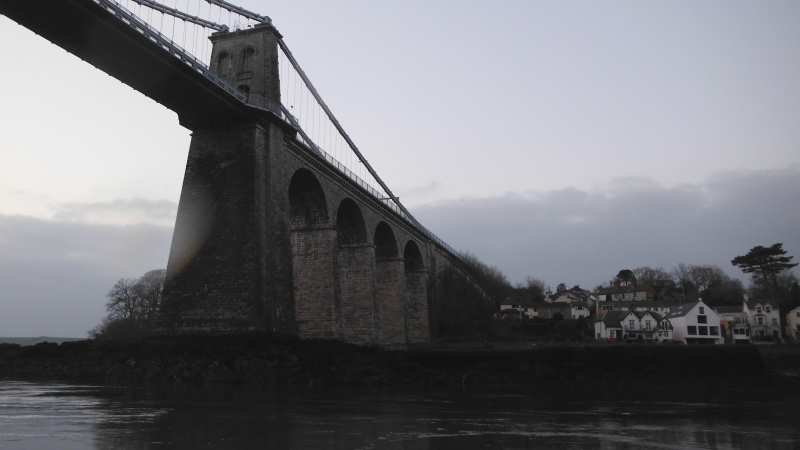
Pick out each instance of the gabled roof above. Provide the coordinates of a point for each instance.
(613, 318)
(641, 314)
(681, 310)
(729, 309)
(751, 304)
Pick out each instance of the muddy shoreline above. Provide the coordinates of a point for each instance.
(268, 360)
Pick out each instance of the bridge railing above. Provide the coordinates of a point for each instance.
(131, 19)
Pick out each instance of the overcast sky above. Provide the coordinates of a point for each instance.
(560, 140)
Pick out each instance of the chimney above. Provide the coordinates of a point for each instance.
(616, 284)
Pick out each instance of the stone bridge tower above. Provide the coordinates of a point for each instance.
(271, 237)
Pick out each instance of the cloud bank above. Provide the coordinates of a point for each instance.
(54, 275)
(580, 237)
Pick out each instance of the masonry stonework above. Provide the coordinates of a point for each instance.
(270, 237)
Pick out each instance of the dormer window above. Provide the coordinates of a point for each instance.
(767, 308)
(758, 309)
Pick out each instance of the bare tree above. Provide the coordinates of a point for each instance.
(132, 306)
(124, 301)
(704, 276)
(649, 275)
(682, 273)
(149, 287)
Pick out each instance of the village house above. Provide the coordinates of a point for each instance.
(609, 327)
(695, 323)
(626, 293)
(525, 308)
(793, 323)
(735, 326)
(641, 325)
(764, 318)
(580, 309)
(662, 308)
(644, 326)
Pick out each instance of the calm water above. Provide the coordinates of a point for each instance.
(59, 416)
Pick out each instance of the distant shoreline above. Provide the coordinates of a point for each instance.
(265, 359)
(37, 340)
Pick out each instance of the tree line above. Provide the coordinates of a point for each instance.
(132, 307)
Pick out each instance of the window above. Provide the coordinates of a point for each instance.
(646, 324)
(714, 331)
(737, 331)
(702, 310)
(798, 314)
(703, 331)
(248, 59)
(758, 309)
(224, 64)
(774, 321)
(702, 319)
(760, 320)
(767, 308)
(632, 324)
(692, 330)
(608, 308)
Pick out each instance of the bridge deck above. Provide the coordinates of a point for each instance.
(85, 29)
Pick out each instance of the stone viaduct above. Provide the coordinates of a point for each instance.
(270, 236)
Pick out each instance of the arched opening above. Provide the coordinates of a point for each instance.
(413, 258)
(224, 63)
(350, 224)
(248, 59)
(244, 88)
(385, 243)
(307, 200)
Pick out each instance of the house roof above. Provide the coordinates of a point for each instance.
(612, 318)
(640, 303)
(728, 309)
(751, 304)
(681, 310)
(640, 314)
(624, 289)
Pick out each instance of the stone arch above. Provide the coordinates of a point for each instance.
(350, 224)
(385, 242)
(307, 200)
(413, 258)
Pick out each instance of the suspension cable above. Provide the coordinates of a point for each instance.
(338, 126)
(240, 11)
(181, 15)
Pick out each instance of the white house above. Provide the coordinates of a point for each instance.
(609, 327)
(641, 325)
(764, 318)
(793, 323)
(695, 323)
(580, 309)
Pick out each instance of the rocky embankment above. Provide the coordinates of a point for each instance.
(264, 359)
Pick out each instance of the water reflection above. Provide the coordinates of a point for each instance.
(67, 416)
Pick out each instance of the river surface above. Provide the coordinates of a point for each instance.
(63, 416)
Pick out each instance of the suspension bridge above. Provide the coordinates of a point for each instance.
(282, 223)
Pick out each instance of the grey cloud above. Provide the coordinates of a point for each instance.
(119, 212)
(585, 237)
(54, 275)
